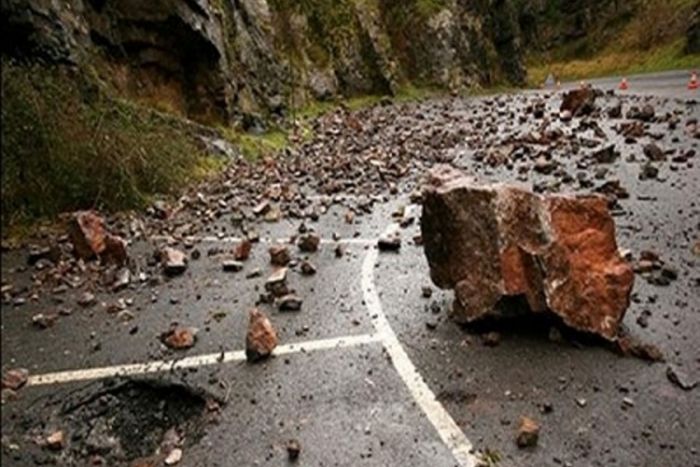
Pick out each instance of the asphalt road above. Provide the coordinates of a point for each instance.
(372, 373)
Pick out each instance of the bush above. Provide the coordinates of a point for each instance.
(68, 145)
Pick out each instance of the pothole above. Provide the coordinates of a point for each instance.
(129, 422)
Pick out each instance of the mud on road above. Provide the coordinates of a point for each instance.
(348, 405)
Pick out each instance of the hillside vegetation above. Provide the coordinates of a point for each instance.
(604, 38)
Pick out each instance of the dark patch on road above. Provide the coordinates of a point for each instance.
(117, 422)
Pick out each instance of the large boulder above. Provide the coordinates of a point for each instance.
(490, 242)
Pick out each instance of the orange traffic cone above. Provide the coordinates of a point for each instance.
(694, 84)
(623, 85)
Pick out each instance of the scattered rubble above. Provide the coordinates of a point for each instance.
(488, 242)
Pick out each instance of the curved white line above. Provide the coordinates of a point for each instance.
(450, 433)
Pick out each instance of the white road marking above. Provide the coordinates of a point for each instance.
(215, 239)
(194, 361)
(450, 433)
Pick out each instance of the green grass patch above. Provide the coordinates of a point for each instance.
(648, 38)
(668, 57)
(257, 146)
(67, 144)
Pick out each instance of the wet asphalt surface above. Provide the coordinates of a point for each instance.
(348, 406)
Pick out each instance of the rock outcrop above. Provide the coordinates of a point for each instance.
(223, 60)
(491, 242)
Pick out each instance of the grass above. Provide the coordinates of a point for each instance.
(668, 57)
(67, 144)
(653, 39)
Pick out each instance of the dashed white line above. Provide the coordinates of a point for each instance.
(158, 366)
(450, 433)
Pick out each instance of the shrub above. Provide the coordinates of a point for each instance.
(67, 144)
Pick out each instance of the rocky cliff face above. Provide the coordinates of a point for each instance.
(215, 60)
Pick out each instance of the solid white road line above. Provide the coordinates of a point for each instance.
(215, 239)
(450, 433)
(194, 361)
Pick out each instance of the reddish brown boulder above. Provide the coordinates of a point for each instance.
(87, 232)
(261, 338)
(495, 241)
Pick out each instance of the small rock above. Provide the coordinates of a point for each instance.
(173, 457)
(261, 338)
(242, 250)
(293, 449)
(14, 379)
(122, 280)
(276, 283)
(43, 321)
(309, 243)
(232, 266)
(654, 153)
(279, 255)
(87, 233)
(679, 378)
(491, 339)
(290, 302)
(307, 268)
(528, 433)
(389, 243)
(87, 299)
(174, 261)
(178, 338)
(55, 441)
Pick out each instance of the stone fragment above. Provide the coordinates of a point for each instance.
(654, 153)
(293, 449)
(307, 268)
(309, 243)
(390, 242)
(178, 338)
(231, 265)
(15, 378)
(174, 261)
(607, 155)
(289, 302)
(87, 299)
(491, 242)
(44, 320)
(279, 255)
(261, 338)
(115, 250)
(55, 441)
(680, 379)
(87, 233)
(276, 283)
(528, 433)
(242, 250)
(173, 457)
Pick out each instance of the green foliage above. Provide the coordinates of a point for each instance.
(67, 145)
